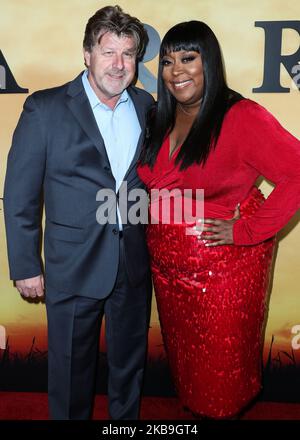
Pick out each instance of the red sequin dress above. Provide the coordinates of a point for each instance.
(212, 300)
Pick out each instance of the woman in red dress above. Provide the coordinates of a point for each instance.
(211, 284)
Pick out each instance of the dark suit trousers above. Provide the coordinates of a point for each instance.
(73, 338)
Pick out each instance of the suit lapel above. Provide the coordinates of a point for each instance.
(140, 111)
(79, 105)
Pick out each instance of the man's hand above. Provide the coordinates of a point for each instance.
(31, 287)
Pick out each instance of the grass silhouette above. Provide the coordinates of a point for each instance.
(28, 372)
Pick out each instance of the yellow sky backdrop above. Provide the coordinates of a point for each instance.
(42, 40)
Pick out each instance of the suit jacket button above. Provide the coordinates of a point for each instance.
(115, 231)
(107, 168)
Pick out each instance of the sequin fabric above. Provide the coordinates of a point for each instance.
(211, 304)
(212, 301)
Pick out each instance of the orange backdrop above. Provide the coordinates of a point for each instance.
(41, 42)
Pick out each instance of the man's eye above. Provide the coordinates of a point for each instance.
(129, 54)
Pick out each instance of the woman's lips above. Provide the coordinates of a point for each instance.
(181, 84)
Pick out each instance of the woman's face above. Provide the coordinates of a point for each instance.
(183, 76)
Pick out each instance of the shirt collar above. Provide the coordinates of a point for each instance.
(93, 98)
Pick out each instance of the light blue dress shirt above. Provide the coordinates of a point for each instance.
(119, 128)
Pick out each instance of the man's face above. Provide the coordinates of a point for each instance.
(111, 66)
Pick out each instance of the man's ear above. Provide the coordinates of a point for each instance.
(86, 56)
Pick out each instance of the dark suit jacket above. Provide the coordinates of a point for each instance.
(59, 155)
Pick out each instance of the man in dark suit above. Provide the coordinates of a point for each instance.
(70, 142)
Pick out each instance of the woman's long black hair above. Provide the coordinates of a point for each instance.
(217, 97)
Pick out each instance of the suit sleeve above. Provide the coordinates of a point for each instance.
(275, 154)
(23, 194)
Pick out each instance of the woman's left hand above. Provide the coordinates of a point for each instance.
(221, 231)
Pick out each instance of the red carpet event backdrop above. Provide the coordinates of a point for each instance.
(40, 47)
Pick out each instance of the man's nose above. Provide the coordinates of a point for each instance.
(118, 61)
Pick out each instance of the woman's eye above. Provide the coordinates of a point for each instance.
(165, 62)
(188, 59)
